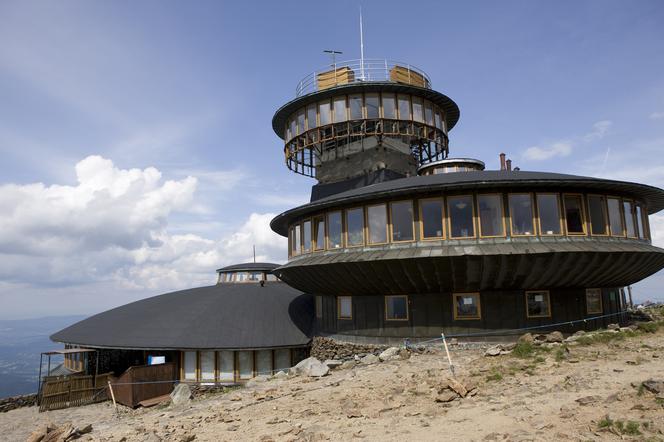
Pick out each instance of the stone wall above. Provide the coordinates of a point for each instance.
(327, 348)
(13, 402)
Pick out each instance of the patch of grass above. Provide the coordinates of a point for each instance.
(601, 338)
(632, 428)
(539, 359)
(494, 376)
(648, 327)
(561, 354)
(605, 423)
(523, 350)
(641, 390)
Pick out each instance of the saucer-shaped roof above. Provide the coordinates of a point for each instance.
(222, 316)
(249, 267)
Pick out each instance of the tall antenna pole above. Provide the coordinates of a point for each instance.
(333, 53)
(254, 253)
(361, 47)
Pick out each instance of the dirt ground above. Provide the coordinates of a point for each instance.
(543, 395)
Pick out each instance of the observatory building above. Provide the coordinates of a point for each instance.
(398, 241)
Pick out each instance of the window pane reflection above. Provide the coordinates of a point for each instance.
(319, 226)
(460, 210)
(324, 113)
(402, 221)
(372, 104)
(377, 220)
(432, 218)
(404, 107)
(629, 219)
(616, 224)
(597, 212)
(311, 116)
(396, 307)
(418, 114)
(355, 107)
(389, 106)
(355, 226)
(549, 214)
(340, 109)
(639, 222)
(521, 214)
(334, 230)
(306, 235)
(574, 214)
(491, 215)
(538, 304)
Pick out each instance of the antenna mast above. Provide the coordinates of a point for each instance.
(333, 53)
(254, 253)
(361, 48)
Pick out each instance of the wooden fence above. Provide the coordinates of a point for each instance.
(143, 382)
(71, 391)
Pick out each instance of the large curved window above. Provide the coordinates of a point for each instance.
(355, 106)
(629, 219)
(300, 121)
(389, 106)
(402, 221)
(340, 109)
(372, 103)
(404, 107)
(431, 218)
(298, 240)
(334, 230)
(616, 223)
(324, 113)
(306, 236)
(377, 223)
(639, 222)
(491, 215)
(319, 233)
(548, 209)
(597, 213)
(311, 116)
(521, 214)
(574, 215)
(355, 227)
(418, 112)
(461, 213)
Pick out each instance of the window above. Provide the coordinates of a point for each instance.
(491, 215)
(597, 213)
(372, 102)
(431, 217)
(300, 121)
(574, 215)
(418, 114)
(521, 214)
(355, 227)
(467, 306)
(334, 230)
(396, 308)
(340, 109)
(389, 106)
(319, 307)
(428, 113)
(189, 365)
(355, 107)
(404, 107)
(207, 365)
(629, 219)
(593, 301)
(226, 366)
(438, 120)
(538, 304)
(264, 362)
(639, 222)
(293, 127)
(616, 224)
(402, 220)
(377, 223)
(324, 113)
(319, 233)
(292, 242)
(461, 213)
(311, 116)
(298, 239)
(345, 307)
(245, 364)
(282, 359)
(548, 210)
(306, 236)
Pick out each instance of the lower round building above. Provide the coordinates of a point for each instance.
(250, 323)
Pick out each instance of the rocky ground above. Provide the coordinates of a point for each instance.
(589, 388)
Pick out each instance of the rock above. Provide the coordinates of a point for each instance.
(554, 336)
(370, 359)
(389, 353)
(253, 382)
(453, 341)
(457, 387)
(653, 386)
(404, 353)
(333, 363)
(280, 375)
(625, 329)
(446, 396)
(587, 400)
(310, 367)
(187, 437)
(38, 434)
(527, 338)
(347, 365)
(493, 351)
(613, 327)
(579, 333)
(181, 395)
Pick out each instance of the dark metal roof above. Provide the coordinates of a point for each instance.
(444, 102)
(458, 181)
(249, 267)
(223, 316)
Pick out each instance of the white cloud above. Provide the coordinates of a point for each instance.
(657, 229)
(537, 153)
(656, 116)
(598, 131)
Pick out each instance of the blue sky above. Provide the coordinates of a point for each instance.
(136, 143)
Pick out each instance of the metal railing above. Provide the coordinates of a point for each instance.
(357, 71)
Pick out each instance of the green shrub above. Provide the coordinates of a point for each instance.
(523, 350)
(605, 423)
(648, 327)
(632, 428)
(561, 354)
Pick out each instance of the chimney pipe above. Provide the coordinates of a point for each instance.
(509, 165)
(502, 162)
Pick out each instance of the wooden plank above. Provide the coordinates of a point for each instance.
(155, 401)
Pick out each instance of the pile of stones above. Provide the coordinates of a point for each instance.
(313, 367)
(327, 348)
(53, 433)
(14, 402)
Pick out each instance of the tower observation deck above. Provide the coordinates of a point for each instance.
(363, 119)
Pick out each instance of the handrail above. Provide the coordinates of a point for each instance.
(358, 71)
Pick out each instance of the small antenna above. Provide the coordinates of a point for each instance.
(333, 53)
(254, 253)
(361, 48)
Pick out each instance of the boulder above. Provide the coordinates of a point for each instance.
(370, 359)
(446, 396)
(181, 395)
(457, 387)
(554, 336)
(613, 327)
(333, 363)
(310, 367)
(280, 375)
(256, 380)
(404, 353)
(389, 353)
(579, 333)
(348, 364)
(654, 386)
(527, 338)
(493, 351)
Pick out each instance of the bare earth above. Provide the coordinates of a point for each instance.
(536, 399)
